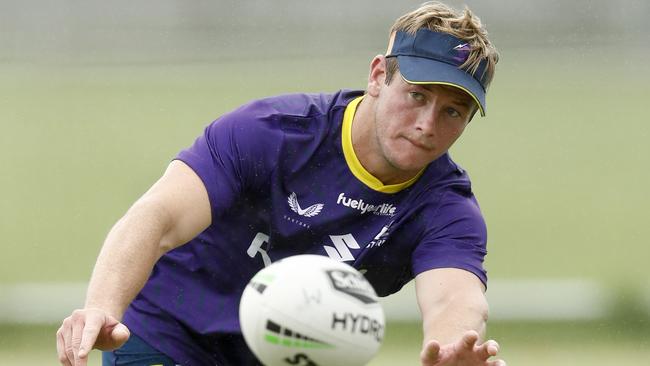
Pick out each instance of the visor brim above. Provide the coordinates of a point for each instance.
(420, 70)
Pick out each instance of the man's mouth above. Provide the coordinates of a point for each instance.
(419, 144)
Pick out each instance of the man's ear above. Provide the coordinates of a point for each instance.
(377, 76)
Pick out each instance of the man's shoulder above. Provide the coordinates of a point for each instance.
(444, 174)
(299, 105)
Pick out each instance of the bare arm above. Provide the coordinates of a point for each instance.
(173, 211)
(454, 316)
(451, 302)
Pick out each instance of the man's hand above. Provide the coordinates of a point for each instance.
(87, 329)
(465, 352)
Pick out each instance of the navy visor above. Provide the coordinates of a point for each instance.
(429, 57)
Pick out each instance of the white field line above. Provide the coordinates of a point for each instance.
(557, 299)
(564, 299)
(39, 303)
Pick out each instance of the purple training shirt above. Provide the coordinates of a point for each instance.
(282, 180)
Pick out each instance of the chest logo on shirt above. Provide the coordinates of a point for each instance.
(384, 209)
(310, 211)
(381, 237)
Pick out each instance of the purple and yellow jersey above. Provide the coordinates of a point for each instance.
(283, 179)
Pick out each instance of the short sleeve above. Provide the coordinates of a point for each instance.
(455, 237)
(236, 153)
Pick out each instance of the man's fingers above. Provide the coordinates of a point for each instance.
(487, 349)
(89, 335)
(492, 348)
(66, 335)
(120, 334)
(78, 323)
(84, 330)
(111, 335)
(469, 339)
(430, 353)
(464, 351)
(60, 348)
(496, 363)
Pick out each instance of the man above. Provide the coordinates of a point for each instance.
(364, 178)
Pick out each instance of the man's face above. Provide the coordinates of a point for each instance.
(416, 124)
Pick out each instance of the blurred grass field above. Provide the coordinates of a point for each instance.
(559, 167)
(527, 344)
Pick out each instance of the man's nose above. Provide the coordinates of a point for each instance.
(426, 123)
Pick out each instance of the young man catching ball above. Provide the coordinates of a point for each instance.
(362, 177)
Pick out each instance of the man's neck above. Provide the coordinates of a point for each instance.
(366, 146)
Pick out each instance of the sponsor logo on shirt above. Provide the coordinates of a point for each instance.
(384, 209)
(341, 249)
(310, 211)
(381, 237)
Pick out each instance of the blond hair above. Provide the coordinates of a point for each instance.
(464, 25)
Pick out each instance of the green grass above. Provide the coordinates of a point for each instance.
(537, 344)
(527, 344)
(559, 168)
(79, 145)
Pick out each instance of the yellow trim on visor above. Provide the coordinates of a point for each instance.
(480, 108)
(353, 162)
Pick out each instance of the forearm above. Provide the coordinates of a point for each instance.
(448, 320)
(452, 301)
(127, 257)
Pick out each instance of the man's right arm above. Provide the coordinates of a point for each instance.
(172, 212)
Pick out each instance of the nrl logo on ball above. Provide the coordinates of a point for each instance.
(353, 284)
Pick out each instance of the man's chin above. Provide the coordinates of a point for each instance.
(414, 163)
(408, 168)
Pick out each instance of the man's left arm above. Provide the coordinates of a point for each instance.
(454, 316)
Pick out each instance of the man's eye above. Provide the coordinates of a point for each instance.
(453, 113)
(417, 96)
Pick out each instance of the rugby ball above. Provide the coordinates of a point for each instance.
(311, 310)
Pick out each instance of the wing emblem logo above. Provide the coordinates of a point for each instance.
(310, 211)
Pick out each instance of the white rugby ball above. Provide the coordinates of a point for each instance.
(310, 310)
